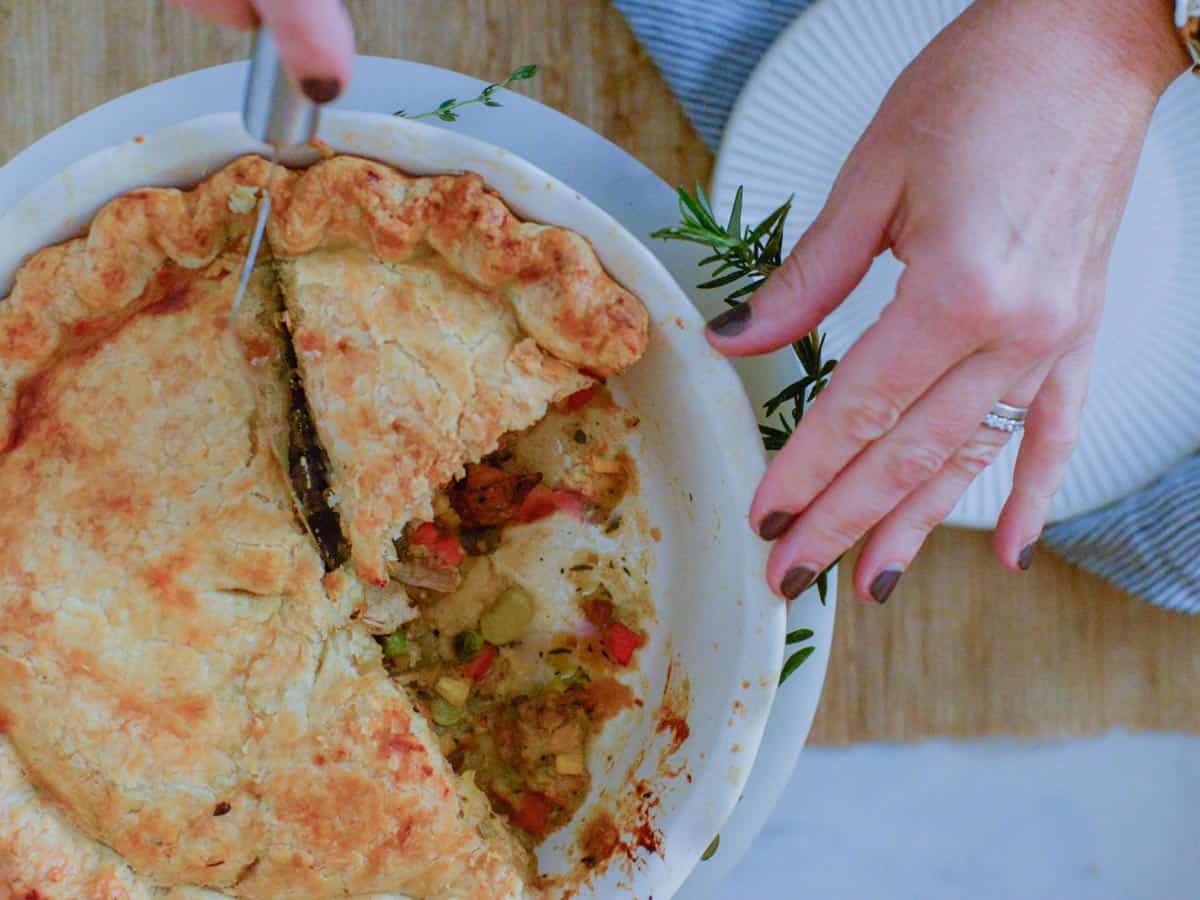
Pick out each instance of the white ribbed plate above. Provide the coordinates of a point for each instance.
(797, 119)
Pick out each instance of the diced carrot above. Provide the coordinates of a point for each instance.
(449, 551)
(425, 535)
(580, 399)
(543, 501)
(622, 642)
(481, 662)
(533, 813)
(538, 504)
(572, 503)
(445, 547)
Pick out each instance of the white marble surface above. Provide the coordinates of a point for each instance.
(1112, 818)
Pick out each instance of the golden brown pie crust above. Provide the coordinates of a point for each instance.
(186, 702)
(429, 321)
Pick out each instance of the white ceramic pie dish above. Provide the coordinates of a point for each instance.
(700, 458)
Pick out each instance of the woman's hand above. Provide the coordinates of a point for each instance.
(997, 170)
(315, 37)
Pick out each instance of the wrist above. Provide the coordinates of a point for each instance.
(1140, 38)
(1134, 40)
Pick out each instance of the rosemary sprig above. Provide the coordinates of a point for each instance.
(795, 660)
(745, 257)
(447, 110)
(742, 259)
(801, 392)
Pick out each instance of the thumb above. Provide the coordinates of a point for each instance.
(826, 264)
(316, 41)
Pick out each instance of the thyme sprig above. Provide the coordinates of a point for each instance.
(742, 259)
(447, 110)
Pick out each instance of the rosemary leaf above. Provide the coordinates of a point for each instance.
(794, 662)
(743, 292)
(791, 392)
(735, 215)
(823, 580)
(722, 281)
(769, 222)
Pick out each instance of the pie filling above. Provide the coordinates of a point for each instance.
(517, 674)
(516, 692)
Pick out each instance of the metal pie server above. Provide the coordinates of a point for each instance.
(276, 112)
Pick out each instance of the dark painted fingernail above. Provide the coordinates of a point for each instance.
(1025, 557)
(321, 90)
(733, 321)
(884, 584)
(796, 581)
(775, 523)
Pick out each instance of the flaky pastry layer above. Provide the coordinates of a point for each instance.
(429, 321)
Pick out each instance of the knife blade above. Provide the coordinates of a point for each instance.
(260, 226)
(276, 112)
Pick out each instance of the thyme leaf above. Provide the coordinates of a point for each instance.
(448, 110)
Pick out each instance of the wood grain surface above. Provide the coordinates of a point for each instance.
(963, 648)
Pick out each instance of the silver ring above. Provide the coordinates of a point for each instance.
(1006, 417)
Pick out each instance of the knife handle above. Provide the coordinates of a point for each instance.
(275, 111)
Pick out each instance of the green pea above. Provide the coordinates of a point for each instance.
(467, 644)
(445, 713)
(395, 644)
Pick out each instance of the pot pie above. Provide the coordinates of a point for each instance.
(258, 634)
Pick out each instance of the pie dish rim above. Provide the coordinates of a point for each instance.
(81, 187)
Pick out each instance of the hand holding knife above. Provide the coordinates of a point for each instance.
(277, 112)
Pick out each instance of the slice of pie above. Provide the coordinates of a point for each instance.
(191, 700)
(428, 322)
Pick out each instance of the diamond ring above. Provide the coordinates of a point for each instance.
(1006, 417)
